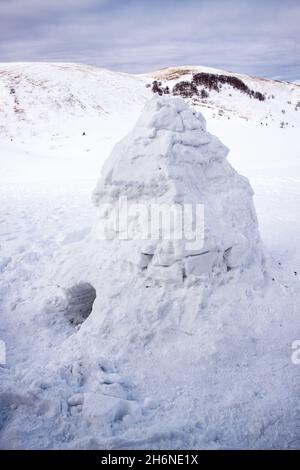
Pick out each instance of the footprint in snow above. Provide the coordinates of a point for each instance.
(4, 262)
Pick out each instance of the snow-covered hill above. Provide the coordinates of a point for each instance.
(56, 119)
(271, 102)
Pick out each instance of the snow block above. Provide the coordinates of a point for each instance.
(102, 410)
(172, 273)
(200, 264)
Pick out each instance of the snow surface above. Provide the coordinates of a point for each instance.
(205, 364)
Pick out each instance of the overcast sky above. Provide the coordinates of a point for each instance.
(259, 37)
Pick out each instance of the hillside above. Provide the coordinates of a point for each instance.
(56, 119)
(272, 102)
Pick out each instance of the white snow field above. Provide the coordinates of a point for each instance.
(119, 344)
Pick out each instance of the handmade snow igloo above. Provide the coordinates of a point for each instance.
(170, 159)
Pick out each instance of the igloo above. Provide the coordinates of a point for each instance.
(170, 159)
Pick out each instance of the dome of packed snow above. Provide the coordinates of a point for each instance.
(170, 162)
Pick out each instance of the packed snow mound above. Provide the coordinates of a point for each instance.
(170, 159)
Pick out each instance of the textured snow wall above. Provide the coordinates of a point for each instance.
(170, 158)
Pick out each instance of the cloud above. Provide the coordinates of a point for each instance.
(259, 38)
(36, 8)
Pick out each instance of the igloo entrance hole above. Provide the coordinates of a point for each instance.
(80, 299)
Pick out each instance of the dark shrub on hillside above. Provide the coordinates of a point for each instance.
(204, 94)
(156, 88)
(234, 82)
(214, 82)
(259, 96)
(208, 80)
(185, 89)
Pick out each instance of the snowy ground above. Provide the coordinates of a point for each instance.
(192, 403)
(233, 383)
